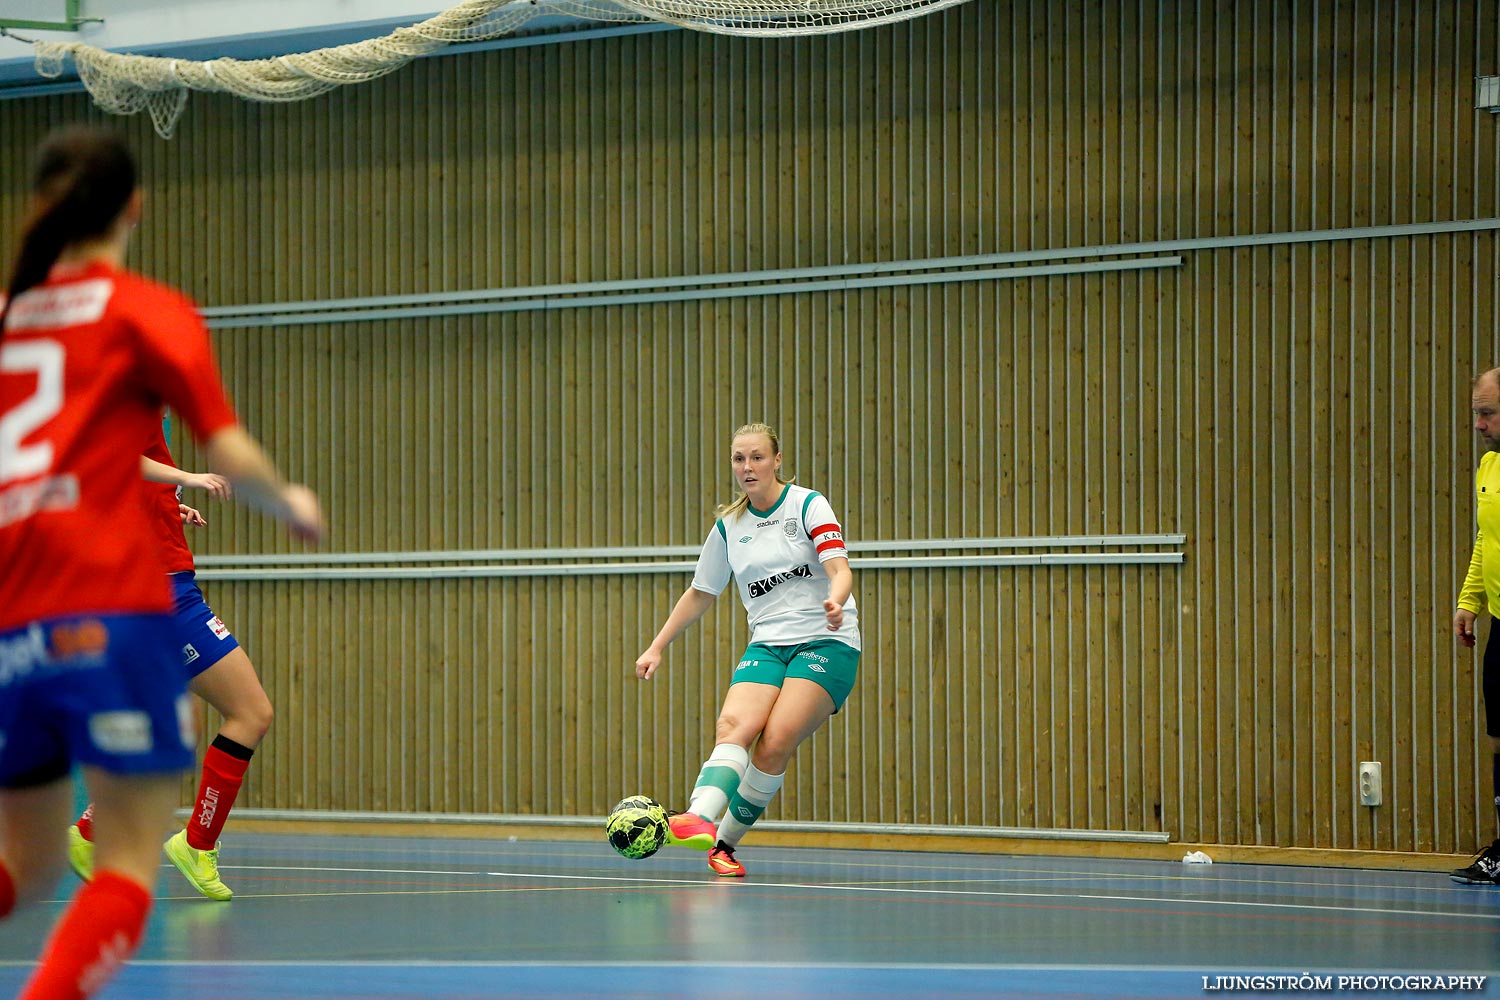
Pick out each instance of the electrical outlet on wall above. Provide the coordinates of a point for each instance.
(1370, 791)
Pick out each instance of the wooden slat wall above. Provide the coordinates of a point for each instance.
(1299, 411)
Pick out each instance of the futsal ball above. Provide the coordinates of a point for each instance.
(637, 827)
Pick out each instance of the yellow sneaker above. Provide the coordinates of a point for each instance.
(199, 867)
(80, 854)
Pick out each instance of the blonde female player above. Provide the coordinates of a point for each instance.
(219, 672)
(90, 669)
(804, 642)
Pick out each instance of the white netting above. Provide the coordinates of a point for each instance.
(782, 17)
(126, 84)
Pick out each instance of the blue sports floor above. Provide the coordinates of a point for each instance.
(442, 918)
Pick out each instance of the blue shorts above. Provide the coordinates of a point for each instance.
(104, 690)
(205, 640)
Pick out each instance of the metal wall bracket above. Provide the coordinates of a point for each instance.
(1488, 94)
(70, 23)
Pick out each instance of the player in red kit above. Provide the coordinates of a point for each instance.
(90, 670)
(219, 672)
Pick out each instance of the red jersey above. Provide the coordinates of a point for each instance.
(167, 519)
(87, 360)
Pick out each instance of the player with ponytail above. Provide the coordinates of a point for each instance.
(804, 647)
(90, 668)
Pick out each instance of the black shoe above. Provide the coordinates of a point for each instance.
(1485, 869)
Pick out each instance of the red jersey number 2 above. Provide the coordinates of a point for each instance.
(44, 359)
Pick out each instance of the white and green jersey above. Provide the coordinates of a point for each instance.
(776, 557)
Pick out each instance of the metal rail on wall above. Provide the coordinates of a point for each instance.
(70, 21)
(492, 563)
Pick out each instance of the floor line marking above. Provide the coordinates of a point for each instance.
(1033, 895)
(846, 887)
(170, 963)
(787, 854)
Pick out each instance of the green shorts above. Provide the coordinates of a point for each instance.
(830, 664)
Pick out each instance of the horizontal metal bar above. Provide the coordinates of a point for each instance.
(657, 551)
(1221, 242)
(6, 22)
(934, 263)
(43, 90)
(548, 292)
(472, 555)
(446, 572)
(442, 572)
(1033, 559)
(284, 573)
(693, 295)
(1019, 542)
(612, 30)
(70, 21)
(794, 826)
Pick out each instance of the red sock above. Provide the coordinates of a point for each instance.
(7, 891)
(85, 823)
(222, 777)
(92, 940)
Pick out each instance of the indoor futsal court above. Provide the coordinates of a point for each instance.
(317, 916)
(958, 460)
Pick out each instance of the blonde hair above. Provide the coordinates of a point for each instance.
(742, 500)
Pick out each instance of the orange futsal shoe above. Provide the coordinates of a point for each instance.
(691, 830)
(721, 859)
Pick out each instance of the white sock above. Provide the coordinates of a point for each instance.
(748, 803)
(720, 776)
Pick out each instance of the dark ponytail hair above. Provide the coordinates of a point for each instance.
(83, 180)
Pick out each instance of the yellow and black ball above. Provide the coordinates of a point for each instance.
(637, 827)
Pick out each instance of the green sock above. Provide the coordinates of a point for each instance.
(721, 775)
(748, 802)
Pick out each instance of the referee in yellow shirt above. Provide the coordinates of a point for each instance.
(1480, 593)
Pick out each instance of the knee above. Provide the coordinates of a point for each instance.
(732, 729)
(772, 753)
(261, 721)
(255, 718)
